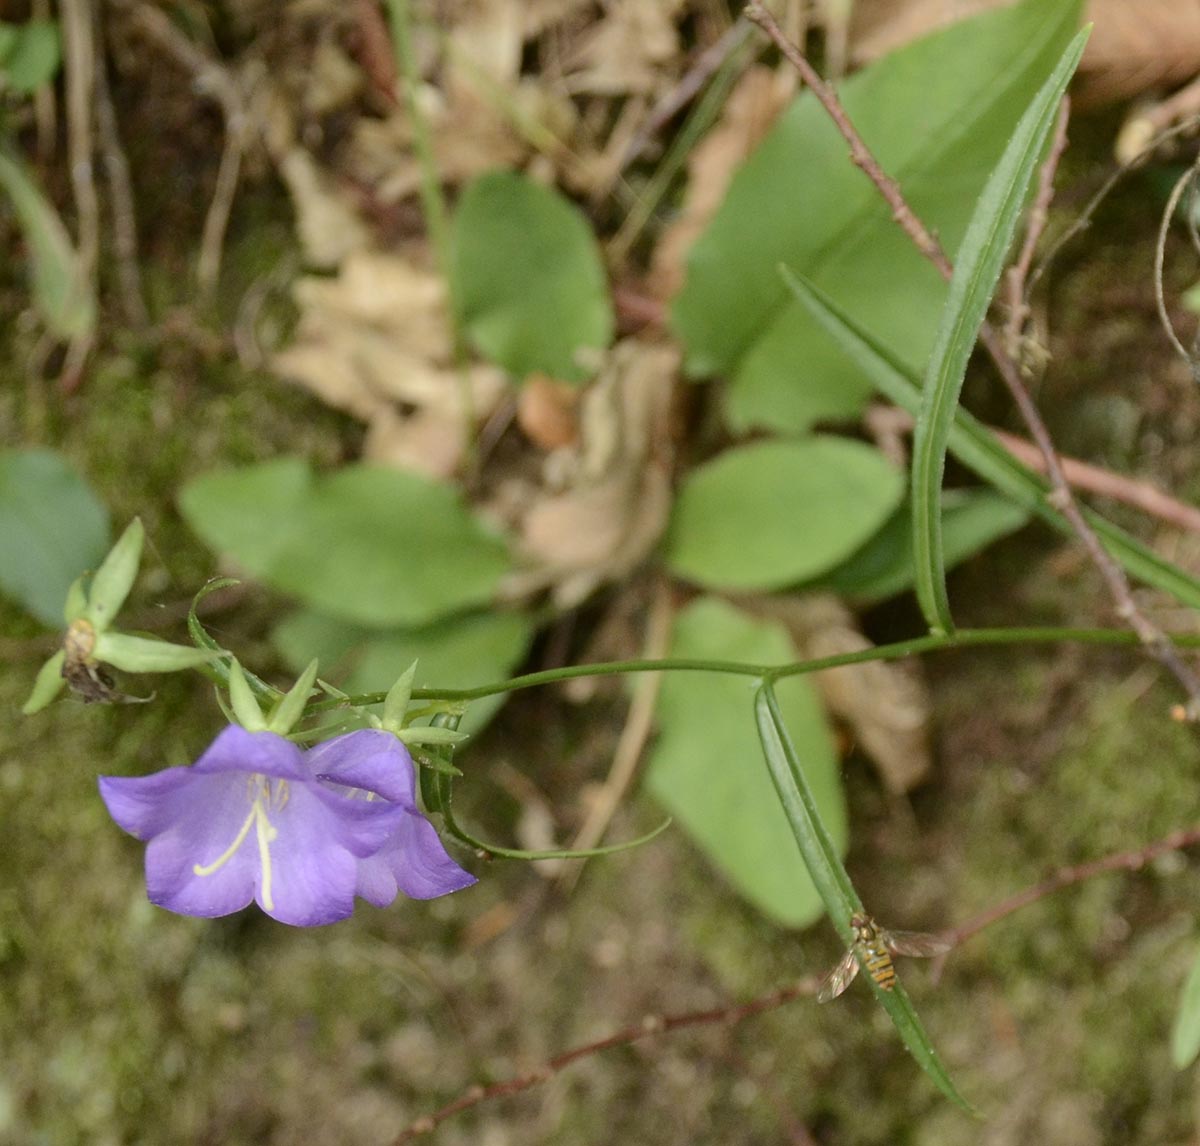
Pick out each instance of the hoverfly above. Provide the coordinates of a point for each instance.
(873, 947)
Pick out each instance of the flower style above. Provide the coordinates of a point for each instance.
(255, 819)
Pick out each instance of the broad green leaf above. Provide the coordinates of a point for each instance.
(790, 769)
(937, 114)
(977, 447)
(458, 652)
(526, 277)
(971, 521)
(705, 767)
(62, 298)
(29, 54)
(52, 529)
(980, 261)
(768, 515)
(367, 545)
(1185, 1034)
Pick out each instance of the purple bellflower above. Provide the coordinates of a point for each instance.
(300, 833)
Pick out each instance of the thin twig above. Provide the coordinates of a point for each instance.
(731, 1015)
(1072, 874)
(703, 68)
(887, 423)
(1035, 226)
(120, 186)
(1083, 219)
(218, 83)
(1060, 496)
(79, 68)
(650, 1026)
(1177, 192)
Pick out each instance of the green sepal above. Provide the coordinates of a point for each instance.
(48, 685)
(76, 603)
(395, 706)
(113, 580)
(291, 707)
(430, 735)
(241, 699)
(144, 654)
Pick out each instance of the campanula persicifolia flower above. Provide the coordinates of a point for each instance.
(254, 820)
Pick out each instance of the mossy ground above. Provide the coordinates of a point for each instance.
(120, 1023)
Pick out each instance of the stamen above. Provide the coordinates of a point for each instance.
(265, 833)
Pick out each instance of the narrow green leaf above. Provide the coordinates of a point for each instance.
(63, 299)
(978, 448)
(1185, 1034)
(142, 654)
(768, 515)
(245, 707)
(832, 881)
(52, 529)
(527, 277)
(980, 261)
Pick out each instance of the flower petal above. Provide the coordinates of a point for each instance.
(370, 759)
(147, 805)
(312, 872)
(236, 750)
(420, 863)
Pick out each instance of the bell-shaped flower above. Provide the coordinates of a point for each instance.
(374, 764)
(251, 820)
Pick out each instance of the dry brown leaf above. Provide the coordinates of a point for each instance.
(627, 50)
(547, 412)
(603, 505)
(886, 705)
(752, 107)
(375, 341)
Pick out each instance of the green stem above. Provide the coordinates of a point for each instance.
(963, 638)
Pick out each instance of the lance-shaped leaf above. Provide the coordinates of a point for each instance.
(1185, 1035)
(980, 260)
(832, 881)
(47, 686)
(980, 450)
(62, 298)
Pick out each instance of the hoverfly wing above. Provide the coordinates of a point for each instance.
(839, 978)
(921, 944)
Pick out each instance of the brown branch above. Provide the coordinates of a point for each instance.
(1060, 496)
(730, 1016)
(886, 424)
(1035, 226)
(1075, 873)
(219, 84)
(649, 1027)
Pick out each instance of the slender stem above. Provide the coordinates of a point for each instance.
(1060, 497)
(961, 639)
(433, 205)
